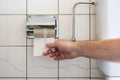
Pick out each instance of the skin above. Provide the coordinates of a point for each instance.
(66, 49)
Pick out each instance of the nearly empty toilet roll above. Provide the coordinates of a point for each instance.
(44, 32)
(39, 43)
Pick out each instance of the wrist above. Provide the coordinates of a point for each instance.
(79, 49)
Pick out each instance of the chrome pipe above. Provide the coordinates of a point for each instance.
(73, 17)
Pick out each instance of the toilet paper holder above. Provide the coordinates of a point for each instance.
(40, 22)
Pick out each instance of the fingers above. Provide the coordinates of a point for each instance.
(48, 52)
(57, 58)
(53, 54)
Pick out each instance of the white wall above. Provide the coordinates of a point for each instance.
(16, 53)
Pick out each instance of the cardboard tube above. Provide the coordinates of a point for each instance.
(44, 33)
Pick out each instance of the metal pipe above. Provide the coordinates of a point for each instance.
(73, 18)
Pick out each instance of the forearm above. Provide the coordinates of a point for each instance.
(105, 49)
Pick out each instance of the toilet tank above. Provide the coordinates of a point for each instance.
(108, 27)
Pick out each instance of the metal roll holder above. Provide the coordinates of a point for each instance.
(40, 22)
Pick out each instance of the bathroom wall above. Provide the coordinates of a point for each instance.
(16, 52)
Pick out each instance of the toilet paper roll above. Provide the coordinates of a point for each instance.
(40, 39)
(44, 33)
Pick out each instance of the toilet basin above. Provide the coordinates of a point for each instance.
(113, 78)
(108, 27)
(110, 69)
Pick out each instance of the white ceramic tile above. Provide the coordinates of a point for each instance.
(66, 6)
(93, 27)
(95, 71)
(78, 67)
(12, 6)
(30, 42)
(12, 30)
(97, 79)
(43, 79)
(12, 79)
(42, 6)
(65, 26)
(12, 61)
(112, 78)
(82, 27)
(93, 0)
(41, 66)
(73, 79)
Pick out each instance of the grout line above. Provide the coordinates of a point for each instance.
(58, 70)
(44, 14)
(26, 43)
(13, 46)
(13, 77)
(90, 36)
(58, 61)
(41, 14)
(58, 7)
(56, 77)
(12, 14)
(77, 14)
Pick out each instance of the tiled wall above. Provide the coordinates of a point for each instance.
(16, 52)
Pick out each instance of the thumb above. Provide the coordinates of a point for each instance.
(50, 45)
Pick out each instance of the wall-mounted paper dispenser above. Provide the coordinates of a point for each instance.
(46, 25)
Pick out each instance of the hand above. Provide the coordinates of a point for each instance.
(63, 49)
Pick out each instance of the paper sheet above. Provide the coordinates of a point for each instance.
(39, 45)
